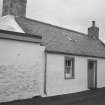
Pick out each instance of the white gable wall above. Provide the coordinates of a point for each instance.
(57, 84)
(9, 23)
(21, 70)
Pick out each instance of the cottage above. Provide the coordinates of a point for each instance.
(63, 61)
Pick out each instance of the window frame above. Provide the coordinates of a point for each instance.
(65, 67)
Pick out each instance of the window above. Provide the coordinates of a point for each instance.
(69, 68)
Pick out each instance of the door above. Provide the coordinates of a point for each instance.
(92, 74)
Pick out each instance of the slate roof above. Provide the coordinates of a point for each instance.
(61, 40)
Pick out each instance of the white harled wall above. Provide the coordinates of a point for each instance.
(1, 6)
(21, 70)
(101, 73)
(9, 23)
(56, 83)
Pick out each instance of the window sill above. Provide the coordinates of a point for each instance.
(69, 78)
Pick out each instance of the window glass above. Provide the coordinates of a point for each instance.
(69, 67)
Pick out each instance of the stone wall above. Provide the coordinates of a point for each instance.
(18, 81)
(14, 7)
(21, 70)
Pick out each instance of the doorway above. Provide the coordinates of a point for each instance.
(92, 74)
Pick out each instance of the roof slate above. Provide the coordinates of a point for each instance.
(4, 34)
(58, 39)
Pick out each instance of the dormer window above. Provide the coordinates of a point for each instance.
(68, 37)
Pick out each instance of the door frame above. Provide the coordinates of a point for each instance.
(95, 82)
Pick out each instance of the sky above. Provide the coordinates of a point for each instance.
(72, 14)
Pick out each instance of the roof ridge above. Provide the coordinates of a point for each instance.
(63, 28)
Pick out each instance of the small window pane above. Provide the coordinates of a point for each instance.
(69, 66)
(69, 62)
(68, 70)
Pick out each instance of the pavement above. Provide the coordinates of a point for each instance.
(91, 97)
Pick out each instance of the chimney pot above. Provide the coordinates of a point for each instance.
(93, 23)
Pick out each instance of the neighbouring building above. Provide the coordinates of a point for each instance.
(40, 59)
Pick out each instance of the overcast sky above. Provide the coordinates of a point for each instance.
(72, 14)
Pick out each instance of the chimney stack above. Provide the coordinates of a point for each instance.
(14, 7)
(93, 31)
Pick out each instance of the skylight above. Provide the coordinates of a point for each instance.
(68, 37)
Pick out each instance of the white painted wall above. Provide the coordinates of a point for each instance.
(56, 83)
(101, 73)
(21, 70)
(1, 6)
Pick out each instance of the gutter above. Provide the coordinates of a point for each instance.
(74, 54)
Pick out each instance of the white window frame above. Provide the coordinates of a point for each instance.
(69, 67)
